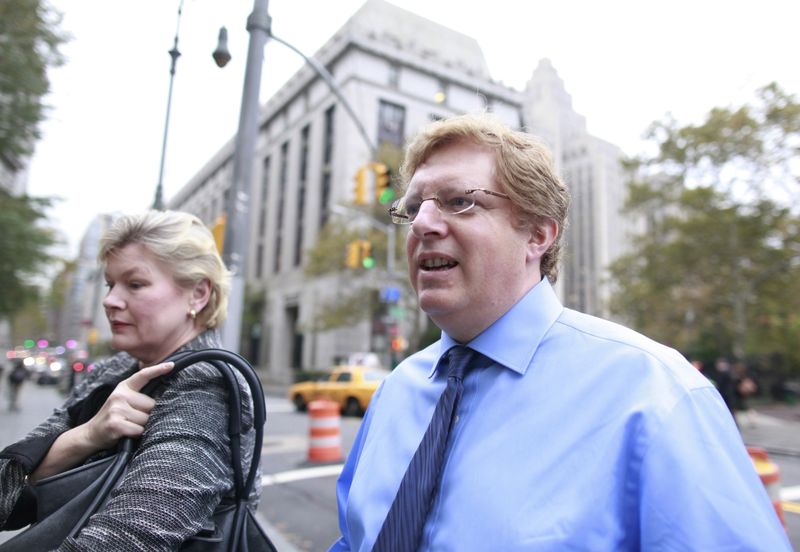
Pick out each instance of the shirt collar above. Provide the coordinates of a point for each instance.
(512, 340)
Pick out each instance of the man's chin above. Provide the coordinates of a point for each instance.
(435, 303)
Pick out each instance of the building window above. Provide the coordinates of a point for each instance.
(394, 75)
(327, 167)
(301, 196)
(391, 124)
(259, 260)
(282, 183)
(262, 215)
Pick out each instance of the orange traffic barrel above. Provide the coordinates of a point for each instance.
(325, 439)
(770, 476)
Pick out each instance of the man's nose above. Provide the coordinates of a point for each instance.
(429, 219)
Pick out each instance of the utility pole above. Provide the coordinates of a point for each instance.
(158, 200)
(237, 206)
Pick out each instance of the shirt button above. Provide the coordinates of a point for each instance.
(457, 418)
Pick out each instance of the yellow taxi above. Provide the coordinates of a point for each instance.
(350, 386)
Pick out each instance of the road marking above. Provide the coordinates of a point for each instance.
(299, 475)
(279, 406)
(791, 507)
(791, 494)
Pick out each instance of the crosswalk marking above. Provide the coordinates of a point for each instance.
(791, 494)
(301, 474)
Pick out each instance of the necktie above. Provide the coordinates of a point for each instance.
(402, 528)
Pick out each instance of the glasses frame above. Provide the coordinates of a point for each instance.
(403, 219)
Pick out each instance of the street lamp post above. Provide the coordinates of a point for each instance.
(158, 200)
(237, 206)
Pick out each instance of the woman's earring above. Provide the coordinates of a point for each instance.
(192, 314)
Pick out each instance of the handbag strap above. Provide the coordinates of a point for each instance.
(224, 361)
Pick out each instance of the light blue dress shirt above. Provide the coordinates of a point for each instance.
(581, 435)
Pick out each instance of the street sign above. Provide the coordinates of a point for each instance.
(390, 294)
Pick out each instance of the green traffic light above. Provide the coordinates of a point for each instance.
(387, 195)
(368, 262)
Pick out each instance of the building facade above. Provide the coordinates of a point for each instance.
(81, 316)
(397, 72)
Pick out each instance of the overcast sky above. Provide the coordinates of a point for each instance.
(625, 64)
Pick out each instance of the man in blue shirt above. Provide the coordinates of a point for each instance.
(572, 433)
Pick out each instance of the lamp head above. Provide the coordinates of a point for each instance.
(221, 55)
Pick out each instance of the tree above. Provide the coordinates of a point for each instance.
(718, 272)
(24, 243)
(29, 42)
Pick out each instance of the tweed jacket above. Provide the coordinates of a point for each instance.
(180, 471)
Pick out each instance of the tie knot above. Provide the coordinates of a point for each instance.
(457, 359)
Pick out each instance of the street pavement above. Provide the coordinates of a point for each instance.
(775, 428)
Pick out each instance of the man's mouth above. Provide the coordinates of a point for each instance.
(437, 263)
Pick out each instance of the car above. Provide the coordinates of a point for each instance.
(349, 386)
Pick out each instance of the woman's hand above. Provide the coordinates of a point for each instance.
(124, 414)
(126, 411)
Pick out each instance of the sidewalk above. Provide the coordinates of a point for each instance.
(775, 428)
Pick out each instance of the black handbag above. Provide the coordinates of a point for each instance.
(66, 501)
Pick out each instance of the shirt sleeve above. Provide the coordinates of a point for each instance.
(699, 488)
(343, 543)
(179, 473)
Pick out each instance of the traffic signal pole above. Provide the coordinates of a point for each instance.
(237, 207)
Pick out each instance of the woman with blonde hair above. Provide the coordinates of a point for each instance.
(167, 292)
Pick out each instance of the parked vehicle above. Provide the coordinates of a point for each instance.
(350, 386)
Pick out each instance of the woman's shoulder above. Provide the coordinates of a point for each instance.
(106, 371)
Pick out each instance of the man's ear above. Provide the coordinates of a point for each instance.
(542, 236)
(201, 294)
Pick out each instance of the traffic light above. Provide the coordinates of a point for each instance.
(218, 231)
(361, 186)
(399, 343)
(353, 259)
(383, 183)
(359, 254)
(367, 260)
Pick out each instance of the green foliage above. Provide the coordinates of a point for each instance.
(24, 243)
(718, 271)
(328, 256)
(347, 310)
(29, 320)
(30, 40)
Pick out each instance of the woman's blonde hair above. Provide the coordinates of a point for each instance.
(183, 244)
(524, 170)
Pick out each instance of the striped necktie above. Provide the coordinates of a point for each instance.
(402, 528)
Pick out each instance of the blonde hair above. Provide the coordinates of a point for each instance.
(524, 170)
(184, 245)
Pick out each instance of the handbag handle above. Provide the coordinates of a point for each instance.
(222, 360)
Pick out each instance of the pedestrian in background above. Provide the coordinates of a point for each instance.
(529, 426)
(725, 384)
(744, 387)
(167, 292)
(16, 379)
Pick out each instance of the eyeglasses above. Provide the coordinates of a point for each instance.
(449, 202)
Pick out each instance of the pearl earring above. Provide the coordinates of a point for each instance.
(192, 314)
